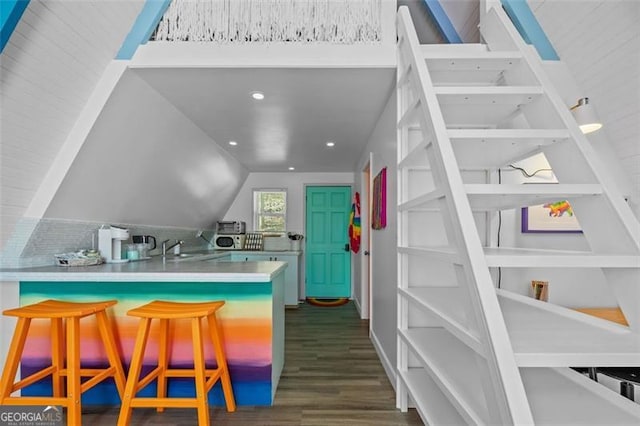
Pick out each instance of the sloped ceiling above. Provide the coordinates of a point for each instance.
(144, 162)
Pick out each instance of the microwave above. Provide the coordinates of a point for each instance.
(231, 227)
(229, 241)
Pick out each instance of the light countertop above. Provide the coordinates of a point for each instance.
(206, 266)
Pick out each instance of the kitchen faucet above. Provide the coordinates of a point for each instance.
(165, 248)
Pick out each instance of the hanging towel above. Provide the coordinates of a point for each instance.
(354, 224)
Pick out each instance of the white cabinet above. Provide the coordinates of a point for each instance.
(291, 274)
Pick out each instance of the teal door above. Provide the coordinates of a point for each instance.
(328, 264)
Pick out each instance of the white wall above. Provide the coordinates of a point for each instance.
(294, 184)
(48, 70)
(599, 40)
(144, 162)
(383, 316)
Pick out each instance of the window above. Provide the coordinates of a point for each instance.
(270, 210)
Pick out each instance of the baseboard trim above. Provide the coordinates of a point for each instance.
(358, 307)
(386, 364)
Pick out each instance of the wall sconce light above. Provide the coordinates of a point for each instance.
(585, 116)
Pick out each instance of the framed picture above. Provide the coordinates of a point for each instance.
(379, 201)
(550, 217)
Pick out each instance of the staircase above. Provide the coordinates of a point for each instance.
(470, 352)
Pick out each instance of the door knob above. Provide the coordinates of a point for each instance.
(346, 247)
(366, 252)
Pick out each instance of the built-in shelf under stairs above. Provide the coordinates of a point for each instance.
(468, 351)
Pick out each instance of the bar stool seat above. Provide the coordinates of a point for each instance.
(205, 378)
(61, 312)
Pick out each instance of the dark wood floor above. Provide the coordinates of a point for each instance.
(332, 376)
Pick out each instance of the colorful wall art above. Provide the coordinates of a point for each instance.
(379, 201)
(551, 217)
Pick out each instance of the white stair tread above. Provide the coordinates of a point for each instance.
(541, 334)
(544, 334)
(542, 136)
(435, 50)
(470, 68)
(404, 77)
(465, 106)
(487, 94)
(440, 353)
(451, 58)
(531, 258)
(434, 408)
(491, 148)
(484, 197)
(409, 114)
(561, 396)
(556, 396)
(417, 156)
(509, 257)
(437, 301)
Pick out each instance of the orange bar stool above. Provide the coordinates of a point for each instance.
(71, 313)
(204, 378)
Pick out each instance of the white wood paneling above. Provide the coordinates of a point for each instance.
(48, 70)
(599, 40)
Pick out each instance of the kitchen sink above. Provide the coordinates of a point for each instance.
(181, 256)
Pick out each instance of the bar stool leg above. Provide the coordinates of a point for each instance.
(163, 360)
(13, 357)
(200, 378)
(57, 356)
(74, 407)
(106, 332)
(134, 372)
(225, 379)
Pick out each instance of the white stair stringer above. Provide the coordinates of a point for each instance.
(489, 356)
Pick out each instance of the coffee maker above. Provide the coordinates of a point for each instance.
(110, 243)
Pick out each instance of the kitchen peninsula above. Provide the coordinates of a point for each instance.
(252, 319)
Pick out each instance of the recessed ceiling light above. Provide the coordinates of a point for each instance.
(292, 168)
(233, 143)
(331, 144)
(257, 96)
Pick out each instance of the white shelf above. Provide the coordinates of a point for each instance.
(556, 395)
(434, 408)
(490, 197)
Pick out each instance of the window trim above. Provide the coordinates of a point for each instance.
(256, 214)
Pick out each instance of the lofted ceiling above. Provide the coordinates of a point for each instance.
(302, 110)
